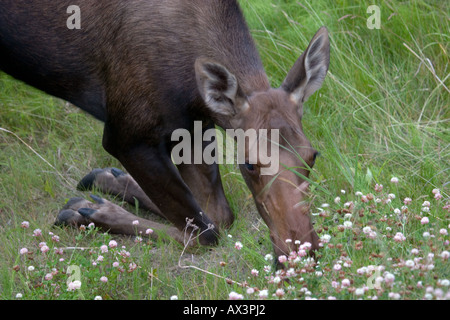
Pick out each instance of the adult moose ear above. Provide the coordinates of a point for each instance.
(309, 71)
(219, 89)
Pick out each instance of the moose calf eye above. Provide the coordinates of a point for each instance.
(249, 166)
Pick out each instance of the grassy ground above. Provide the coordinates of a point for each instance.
(383, 112)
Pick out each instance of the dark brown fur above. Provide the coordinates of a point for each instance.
(132, 66)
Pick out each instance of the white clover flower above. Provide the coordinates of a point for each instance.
(279, 293)
(290, 272)
(394, 295)
(399, 237)
(359, 291)
(345, 283)
(409, 264)
(389, 277)
(268, 257)
(74, 285)
(361, 271)
(348, 204)
(428, 296)
(263, 294)
(444, 282)
(112, 244)
(235, 296)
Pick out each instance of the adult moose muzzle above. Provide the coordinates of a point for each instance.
(147, 68)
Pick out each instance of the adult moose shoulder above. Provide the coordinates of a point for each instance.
(147, 68)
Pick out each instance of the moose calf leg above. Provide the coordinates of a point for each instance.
(206, 185)
(113, 218)
(158, 177)
(117, 183)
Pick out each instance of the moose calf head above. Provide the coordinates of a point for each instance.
(279, 197)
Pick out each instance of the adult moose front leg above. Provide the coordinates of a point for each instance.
(153, 170)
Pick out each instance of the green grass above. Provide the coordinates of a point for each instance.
(383, 111)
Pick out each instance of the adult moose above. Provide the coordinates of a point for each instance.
(148, 67)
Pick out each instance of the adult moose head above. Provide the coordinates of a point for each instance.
(147, 68)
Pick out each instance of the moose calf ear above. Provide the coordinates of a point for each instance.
(309, 71)
(219, 88)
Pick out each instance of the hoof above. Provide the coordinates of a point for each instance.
(69, 214)
(69, 217)
(97, 199)
(86, 212)
(117, 172)
(87, 183)
(90, 180)
(72, 203)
